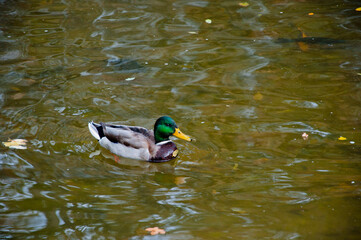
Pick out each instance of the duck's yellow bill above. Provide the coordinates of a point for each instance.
(181, 135)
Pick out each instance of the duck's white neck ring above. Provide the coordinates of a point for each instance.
(163, 142)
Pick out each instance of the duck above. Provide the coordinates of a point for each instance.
(138, 142)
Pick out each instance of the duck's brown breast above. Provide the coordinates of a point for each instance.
(166, 152)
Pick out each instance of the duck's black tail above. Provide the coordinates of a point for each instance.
(96, 130)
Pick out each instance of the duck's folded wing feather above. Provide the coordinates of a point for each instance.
(135, 137)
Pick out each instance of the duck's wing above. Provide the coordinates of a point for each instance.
(130, 136)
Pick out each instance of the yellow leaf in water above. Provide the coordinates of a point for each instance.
(311, 14)
(243, 4)
(16, 143)
(15, 88)
(235, 167)
(155, 231)
(258, 96)
(342, 138)
(358, 9)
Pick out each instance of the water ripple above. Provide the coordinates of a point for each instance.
(23, 222)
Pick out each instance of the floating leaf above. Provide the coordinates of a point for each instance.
(238, 210)
(261, 161)
(258, 96)
(358, 9)
(179, 180)
(243, 4)
(303, 34)
(304, 136)
(96, 153)
(209, 21)
(342, 138)
(311, 14)
(303, 46)
(155, 231)
(16, 143)
(235, 167)
(18, 96)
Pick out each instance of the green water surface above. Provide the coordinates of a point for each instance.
(218, 70)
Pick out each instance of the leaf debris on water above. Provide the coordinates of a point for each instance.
(16, 143)
(155, 231)
(258, 96)
(243, 4)
(235, 167)
(342, 138)
(304, 136)
(18, 96)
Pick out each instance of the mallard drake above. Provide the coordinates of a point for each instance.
(138, 142)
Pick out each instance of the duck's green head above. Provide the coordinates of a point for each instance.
(164, 127)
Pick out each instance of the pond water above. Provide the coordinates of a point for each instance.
(244, 81)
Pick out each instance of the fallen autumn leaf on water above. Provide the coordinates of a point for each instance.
(304, 136)
(16, 143)
(243, 4)
(342, 138)
(155, 231)
(258, 96)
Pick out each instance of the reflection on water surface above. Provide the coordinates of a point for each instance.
(246, 96)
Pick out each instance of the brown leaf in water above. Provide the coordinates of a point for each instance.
(261, 161)
(155, 231)
(179, 180)
(18, 96)
(302, 45)
(30, 81)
